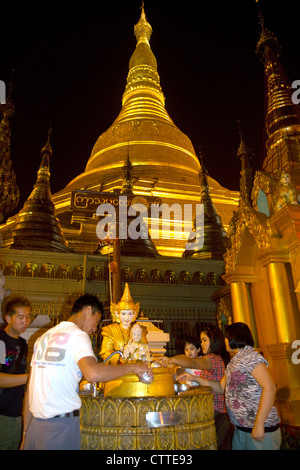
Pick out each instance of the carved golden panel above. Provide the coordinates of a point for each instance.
(113, 423)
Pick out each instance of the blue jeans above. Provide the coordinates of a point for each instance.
(53, 434)
(243, 441)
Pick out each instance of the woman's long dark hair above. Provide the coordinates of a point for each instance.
(217, 343)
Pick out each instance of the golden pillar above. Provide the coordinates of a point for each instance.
(281, 302)
(240, 303)
(284, 303)
(242, 306)
(286, 319)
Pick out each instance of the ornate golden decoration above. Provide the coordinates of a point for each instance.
(223, 310)
(264, 181)
(116, 423)
(261, 233)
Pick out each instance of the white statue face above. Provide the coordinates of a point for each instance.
(126, 317)
(136, 333)
(285, 179)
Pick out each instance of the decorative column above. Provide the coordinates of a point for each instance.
(283, 304)
(285, 313)
(242, 307)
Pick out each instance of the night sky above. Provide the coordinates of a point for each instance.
(71, 63)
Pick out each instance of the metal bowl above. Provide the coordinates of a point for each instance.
(181, 387)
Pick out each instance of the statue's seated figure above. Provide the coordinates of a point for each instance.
(286, 192)
(117, 334)
(136, 349)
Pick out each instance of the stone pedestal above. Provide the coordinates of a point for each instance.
(119, 423)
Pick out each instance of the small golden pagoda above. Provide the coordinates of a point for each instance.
(36, 227)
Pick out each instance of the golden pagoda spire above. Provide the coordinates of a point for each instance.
(9, 191)
(35, 226)
(143, 97)
(282, 116)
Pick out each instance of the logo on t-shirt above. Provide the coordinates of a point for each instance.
(50, 348)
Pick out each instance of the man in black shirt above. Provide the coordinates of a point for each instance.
(13, 377)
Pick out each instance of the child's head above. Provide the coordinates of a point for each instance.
(192, 347)
(238, 335)
(136, 333)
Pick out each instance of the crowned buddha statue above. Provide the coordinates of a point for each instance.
(116, 335)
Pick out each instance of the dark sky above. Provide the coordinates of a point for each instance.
(71, 63)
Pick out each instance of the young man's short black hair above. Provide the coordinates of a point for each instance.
(12, 303)
(239, 335)
(87, 301)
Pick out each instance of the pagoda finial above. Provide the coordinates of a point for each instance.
(267, 38)
(143, 29)
(46, 151)
(243, 153)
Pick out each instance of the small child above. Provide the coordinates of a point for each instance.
(136, 349)
(192, 349)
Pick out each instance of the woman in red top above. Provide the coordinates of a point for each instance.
(212, 366)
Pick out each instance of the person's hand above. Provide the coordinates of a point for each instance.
(140, 369)
(184, 377)
(258, 432)
(164, 361)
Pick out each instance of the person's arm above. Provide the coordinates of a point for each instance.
(218, 387)
(12, 380)
(94, 371)
(265, 381)
(182, 360)
(27, 416)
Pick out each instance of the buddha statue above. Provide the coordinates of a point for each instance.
(286, 192)
(116, 335)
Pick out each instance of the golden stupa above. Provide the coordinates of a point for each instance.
(164, 162)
